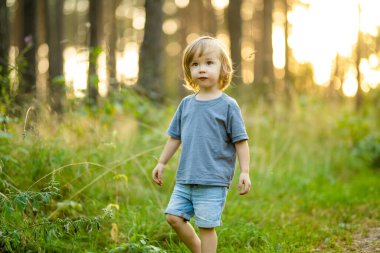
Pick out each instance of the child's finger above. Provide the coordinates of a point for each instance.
(240, 184)
(241, 188)
(154, 174)
(158, 177)
(155, 180)
(246, 189)
(155, 177)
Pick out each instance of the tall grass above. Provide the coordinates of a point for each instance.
(310, 192)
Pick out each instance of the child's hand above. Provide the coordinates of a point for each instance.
(244, 180)
(157, 174)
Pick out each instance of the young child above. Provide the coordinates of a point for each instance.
(211, 130)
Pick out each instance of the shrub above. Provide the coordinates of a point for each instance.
(368, 150)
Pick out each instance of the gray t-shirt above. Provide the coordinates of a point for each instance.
(208, 131)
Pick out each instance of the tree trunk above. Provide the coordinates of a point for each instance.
(16, 25)
(235, 31)
(192, 18)
(337, 75)
(24, 23)
(359, 93)
(258, 34)
(92, 84)
(16, 41)
(268, 48)
(4, 42)
(28, 82)
(55, 29)
(264, 74)
(110, 36)
(183, 31)
(288, 84)
(209, 22)
(41, 39)
(151, 52)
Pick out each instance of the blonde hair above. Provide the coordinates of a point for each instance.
(201, 45)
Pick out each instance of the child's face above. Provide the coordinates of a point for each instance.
(205, 69)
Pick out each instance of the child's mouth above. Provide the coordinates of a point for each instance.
(202, 78)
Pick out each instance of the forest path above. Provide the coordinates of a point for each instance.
(366, 242)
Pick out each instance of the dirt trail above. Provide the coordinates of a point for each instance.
(368, 242)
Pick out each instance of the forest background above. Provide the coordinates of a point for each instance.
(88, 88)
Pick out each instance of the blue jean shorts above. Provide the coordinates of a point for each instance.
(204, 202)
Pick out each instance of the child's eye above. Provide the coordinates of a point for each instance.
(194, 64)
(210, 62)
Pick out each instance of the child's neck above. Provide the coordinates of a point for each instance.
(205, 94)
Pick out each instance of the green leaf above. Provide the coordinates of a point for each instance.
(59, 80)
(21, 201)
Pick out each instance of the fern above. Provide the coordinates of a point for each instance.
(23, 220)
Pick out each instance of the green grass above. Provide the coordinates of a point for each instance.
(309, 194)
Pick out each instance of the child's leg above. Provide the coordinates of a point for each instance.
(185, 232)
(209, 240)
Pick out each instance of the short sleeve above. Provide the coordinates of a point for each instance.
(235, 128)
(174, 129)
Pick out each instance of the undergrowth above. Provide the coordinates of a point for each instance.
(82, 183)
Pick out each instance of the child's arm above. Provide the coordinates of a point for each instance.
(242, 151)
(170, 148)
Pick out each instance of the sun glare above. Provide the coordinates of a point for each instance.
(127, 64)
(182, 3)
(191, 37)
(75, 70)
(248, 56)
(219, 4)
(170, 26)
(350, 84)
(278, 41)
(169, 8)
(321, 30)
(42, 59)
(371, 75)
(370, 18)
(102, 74)
(173, 49)
(13, 54)
(224, 38)
(138, 19)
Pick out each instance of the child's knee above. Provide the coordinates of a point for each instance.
(206, 230)
(174, 221)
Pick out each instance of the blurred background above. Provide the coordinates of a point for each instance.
(64, 49)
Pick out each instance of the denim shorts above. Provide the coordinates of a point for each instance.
(204, 202)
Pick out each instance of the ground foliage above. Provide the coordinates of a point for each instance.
(81, 183)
